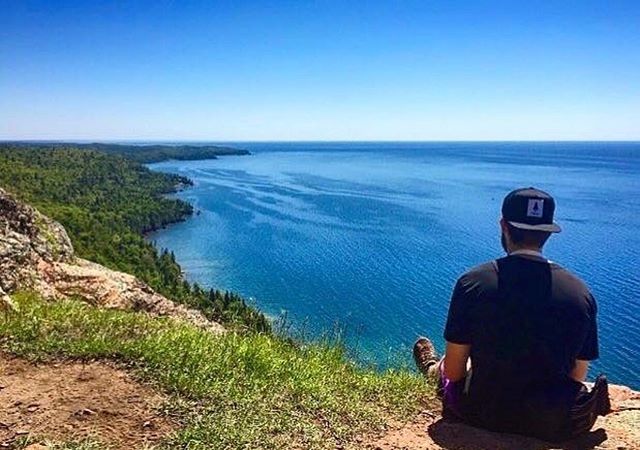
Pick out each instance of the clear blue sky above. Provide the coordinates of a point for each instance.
(324, 70)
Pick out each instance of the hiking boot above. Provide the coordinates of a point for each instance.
(425, 356)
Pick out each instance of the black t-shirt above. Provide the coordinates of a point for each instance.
(527, 320)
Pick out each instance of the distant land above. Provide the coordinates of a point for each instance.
(145, 153)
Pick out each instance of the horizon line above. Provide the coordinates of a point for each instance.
(225, 141)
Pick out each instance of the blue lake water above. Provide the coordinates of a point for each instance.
(371, 237)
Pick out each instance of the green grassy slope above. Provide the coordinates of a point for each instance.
(232, 391)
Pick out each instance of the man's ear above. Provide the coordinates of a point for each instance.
(503, 226)
(505, 237)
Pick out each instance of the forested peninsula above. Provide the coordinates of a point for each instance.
(147, 153)
(107, 199)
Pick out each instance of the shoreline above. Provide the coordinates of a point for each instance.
(110, 218)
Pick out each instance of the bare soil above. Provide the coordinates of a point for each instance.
(67, 401)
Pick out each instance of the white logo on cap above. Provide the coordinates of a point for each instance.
(535, 207)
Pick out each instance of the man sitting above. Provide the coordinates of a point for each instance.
(520, 333)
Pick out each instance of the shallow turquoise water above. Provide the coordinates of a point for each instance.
(370, 237)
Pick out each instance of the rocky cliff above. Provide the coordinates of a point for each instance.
(36, 254)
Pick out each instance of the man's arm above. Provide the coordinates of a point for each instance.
(589, 350)
(458, 332)
(580, 369)
(455, 361)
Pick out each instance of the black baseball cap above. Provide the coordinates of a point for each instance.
(530, 209)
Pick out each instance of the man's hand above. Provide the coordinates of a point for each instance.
(455, 361)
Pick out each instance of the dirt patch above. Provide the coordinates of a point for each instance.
(620, 430)
(69, 400)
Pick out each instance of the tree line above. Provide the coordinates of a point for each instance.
(150, 153)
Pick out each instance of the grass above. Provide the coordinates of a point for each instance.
(230, 391)
(82, 444)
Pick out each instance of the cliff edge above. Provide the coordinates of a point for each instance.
(36, 254)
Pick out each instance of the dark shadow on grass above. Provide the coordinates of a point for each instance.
(452, 435)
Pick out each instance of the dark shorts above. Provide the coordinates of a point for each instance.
(450, 392)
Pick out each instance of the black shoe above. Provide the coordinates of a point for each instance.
(424, 354)
(601, 392)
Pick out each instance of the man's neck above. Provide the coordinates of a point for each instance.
(532, 251)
